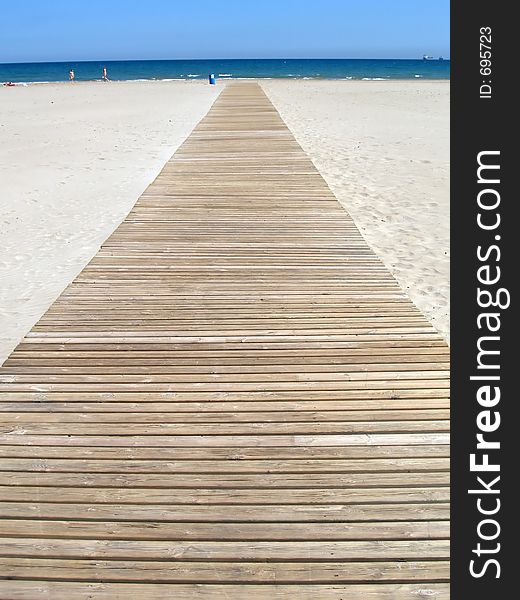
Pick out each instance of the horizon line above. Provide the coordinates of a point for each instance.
(36, 62)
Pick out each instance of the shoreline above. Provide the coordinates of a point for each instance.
(203, 80)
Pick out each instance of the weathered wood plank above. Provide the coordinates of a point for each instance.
(46, 590)
(235, 572)
(227, 551)
(212, 496)
(160, 530)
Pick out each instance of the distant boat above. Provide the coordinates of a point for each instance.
(426, 57)
(441, 58)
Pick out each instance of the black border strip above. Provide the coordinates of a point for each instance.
(480, 123)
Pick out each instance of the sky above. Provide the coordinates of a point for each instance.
(64, 30)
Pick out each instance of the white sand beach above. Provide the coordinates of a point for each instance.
(75, 157)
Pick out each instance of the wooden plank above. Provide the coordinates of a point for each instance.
(340, 513)
(159, 530)
(233, 391)
(232, 429)
(226, 496)
(17, 436)
(90, 465)
(258, 481)
(45, 590)
(237, 455)
(416, 550)
(36, 414)
(205, 572)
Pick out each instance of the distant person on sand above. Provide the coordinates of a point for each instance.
(105, 76)
(71, 75)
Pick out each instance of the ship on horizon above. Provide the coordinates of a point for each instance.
(426, 57)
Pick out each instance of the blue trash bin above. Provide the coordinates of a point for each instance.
(212, 79)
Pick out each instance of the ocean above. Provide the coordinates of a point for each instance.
(228, 68)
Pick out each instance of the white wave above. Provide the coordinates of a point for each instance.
(152, 79)
(26, 83)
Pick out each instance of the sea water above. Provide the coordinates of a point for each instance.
(367, 69)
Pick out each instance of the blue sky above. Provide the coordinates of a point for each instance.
(56, 30)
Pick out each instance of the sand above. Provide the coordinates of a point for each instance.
(383, 148)
(75, 157)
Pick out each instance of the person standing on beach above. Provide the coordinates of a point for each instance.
(105, 76)
(71, 75)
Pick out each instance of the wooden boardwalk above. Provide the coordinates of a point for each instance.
(233, 400)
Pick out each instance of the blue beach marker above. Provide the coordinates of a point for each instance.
(212, 79)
